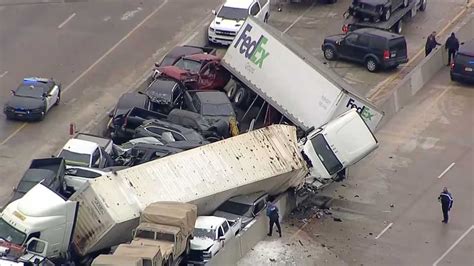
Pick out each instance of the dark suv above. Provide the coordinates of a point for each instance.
(463, 67)
(375, 48)
(376, 9)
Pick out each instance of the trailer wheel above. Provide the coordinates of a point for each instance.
(387, 13)
(329, 53)
(232, 89)
(399, 26)
(423, 5)
(405, 3)
(241, 96)
(371, 64)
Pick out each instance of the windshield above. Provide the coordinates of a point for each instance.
(25, 186)
(29, 91)
(234, 208)
(10, 234)
(325, 154)
(77, 159)
(233, 13)
(205, 233)
(190, 65)
(217, 110)
(165, 237)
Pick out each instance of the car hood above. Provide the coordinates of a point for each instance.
(25, 102)
(228, 216)
(201, 243)
(334, 38)
(373, 2)
(227, 24)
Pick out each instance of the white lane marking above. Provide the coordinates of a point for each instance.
(446, 170)
(384, 230)
(115, 46)
(196, 31)
(298, 18)
(3, 74)
(130, 14)
(67, 20)
(13, 134)
(453, 245)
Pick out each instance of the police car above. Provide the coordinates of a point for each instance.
(33, 98)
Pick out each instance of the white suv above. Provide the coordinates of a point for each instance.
(230, 17)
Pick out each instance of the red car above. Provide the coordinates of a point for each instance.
(198, 72)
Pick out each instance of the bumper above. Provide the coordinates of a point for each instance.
(23, 115)
(394, 62)
(462, 76)
(219, 38)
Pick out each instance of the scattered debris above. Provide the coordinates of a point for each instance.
(356, 196)
(322, 245)
(391, 205)
(337, 219)
(343, 185)
(301, 243)
(272, 260)
(370, 234)
(308, 256)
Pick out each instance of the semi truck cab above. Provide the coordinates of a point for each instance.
(337, 145)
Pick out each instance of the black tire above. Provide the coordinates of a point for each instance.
(406, 3)
(371, 64)
(329, 53)
(267, 16)
(399, 27)
(423, 5)
(232, 90)
(58, 100)
(387, 14)
(241, 97)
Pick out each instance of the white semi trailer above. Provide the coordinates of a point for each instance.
(103, 213)
(267, 63)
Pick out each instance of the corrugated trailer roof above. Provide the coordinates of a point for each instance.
(266, 159)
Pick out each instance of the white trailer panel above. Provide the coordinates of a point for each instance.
(293, 81)
(266, 159)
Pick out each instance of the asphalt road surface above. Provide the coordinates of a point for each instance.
(97, 49)
(388, 207)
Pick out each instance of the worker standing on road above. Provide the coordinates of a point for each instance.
(431, 43)
(274, 216)
(446, 203)
(452, 45)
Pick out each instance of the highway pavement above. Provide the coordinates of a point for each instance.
(97, 49)
(388, 207)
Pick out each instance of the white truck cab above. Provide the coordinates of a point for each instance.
(337, 145)
(87, 151)
(42, 221)
(231, 16)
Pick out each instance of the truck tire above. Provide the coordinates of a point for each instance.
(231, 89)
(371, 64)
(398, 27)
(329, 53)
(241, 97)
(423, 5)
(405, 3)
(387, 14)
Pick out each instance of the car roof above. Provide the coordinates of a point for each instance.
(378, 32)
(209, 222)
(178, 52)
(212, 97)
(238, 3)
(248, 198)
(163, 84)
(202, 57)
(467, 48)
(37, 83)
(131, 99)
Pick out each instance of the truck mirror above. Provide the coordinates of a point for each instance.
(214, 12)
(221, 238)
(12, 92)
(14, 189)
(157, 64)
(111, 114)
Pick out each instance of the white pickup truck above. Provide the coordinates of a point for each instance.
(87, 151)
(231, 16)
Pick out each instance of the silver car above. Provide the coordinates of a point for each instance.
(243, 209)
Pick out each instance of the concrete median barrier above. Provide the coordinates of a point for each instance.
(403, 93)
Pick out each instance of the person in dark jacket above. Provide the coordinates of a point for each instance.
(446, 200)
(274, 216)
(431, 43)
(452, 45)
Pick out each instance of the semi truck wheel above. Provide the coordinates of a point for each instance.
(241, 96)
(423, 5)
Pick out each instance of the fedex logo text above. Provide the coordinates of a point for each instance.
(251, 49)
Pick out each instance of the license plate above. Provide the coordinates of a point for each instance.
(468, 69)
